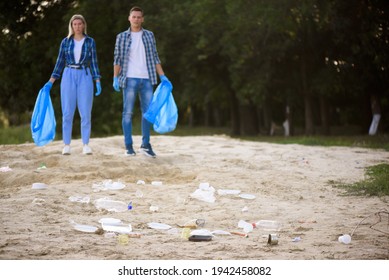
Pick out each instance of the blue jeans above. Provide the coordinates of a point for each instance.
(145, 90)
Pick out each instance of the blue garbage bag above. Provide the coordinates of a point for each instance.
(163, 112)
(43, 119)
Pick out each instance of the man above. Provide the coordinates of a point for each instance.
(136, 65)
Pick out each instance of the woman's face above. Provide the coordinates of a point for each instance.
(78, 26)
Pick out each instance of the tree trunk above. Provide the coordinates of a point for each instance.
(287, 123)
(376, 112)
(307, 100)
(267, 116)
(190, 116)
(208, 114)
(324, 113)
(234, 114)
(249, 120)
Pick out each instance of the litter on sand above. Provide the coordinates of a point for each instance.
(84, 228)
(39, 186)
(154, 225)
(226, 192)
(111, 205)
(247, 196)
(119, 228)
(81, 199)
(108, 185)
(247, 227)
(205, 192)
(5, 169)
(111, 221)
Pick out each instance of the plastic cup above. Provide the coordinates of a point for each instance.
(185, 233)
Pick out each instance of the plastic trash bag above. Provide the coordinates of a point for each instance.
(43, 119)
(166, 120)
(162, 112)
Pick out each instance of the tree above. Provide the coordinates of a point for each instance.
(29, 29)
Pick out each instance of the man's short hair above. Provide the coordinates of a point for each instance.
(136, 9)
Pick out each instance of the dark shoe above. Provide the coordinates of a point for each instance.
(130, 151)
(147, 150)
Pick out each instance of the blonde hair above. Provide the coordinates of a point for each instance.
(74, 17)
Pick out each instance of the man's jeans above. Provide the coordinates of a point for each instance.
(145, 90)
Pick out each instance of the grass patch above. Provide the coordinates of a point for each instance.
(362, 141)
(375, 184)
(16, 135)
(22, 134)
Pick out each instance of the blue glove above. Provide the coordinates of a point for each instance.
(98, 88)
(48, 85)
(164, 78)
(116, 84)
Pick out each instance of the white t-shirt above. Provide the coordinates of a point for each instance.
(78, 49)
(137, 67)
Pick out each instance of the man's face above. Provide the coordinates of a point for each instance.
(136, 18)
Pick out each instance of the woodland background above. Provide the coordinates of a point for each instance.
(242, 64)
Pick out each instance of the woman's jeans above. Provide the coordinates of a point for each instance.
(145, 90)
(76, 91)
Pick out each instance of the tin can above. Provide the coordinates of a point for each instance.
(273, 239)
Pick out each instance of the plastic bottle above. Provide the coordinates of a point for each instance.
(247, 227)
(267, 225)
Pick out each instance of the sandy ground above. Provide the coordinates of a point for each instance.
(291, 184)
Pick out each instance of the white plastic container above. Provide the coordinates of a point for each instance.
(39, 186)
(111, 205)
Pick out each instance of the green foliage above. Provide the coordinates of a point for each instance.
(29, 32)
(362, 141)
(375, 184)
(231, 62)
(15, 135)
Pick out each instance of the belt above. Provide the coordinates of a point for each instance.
(74, 66)
(78, 67)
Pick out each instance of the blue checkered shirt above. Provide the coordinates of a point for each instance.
(66, 56)
(122, 55)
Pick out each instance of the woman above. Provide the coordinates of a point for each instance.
(77, 60)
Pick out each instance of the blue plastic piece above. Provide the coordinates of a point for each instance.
(43, 119)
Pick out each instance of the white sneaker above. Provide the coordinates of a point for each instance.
(66, 150)
(86, 150)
